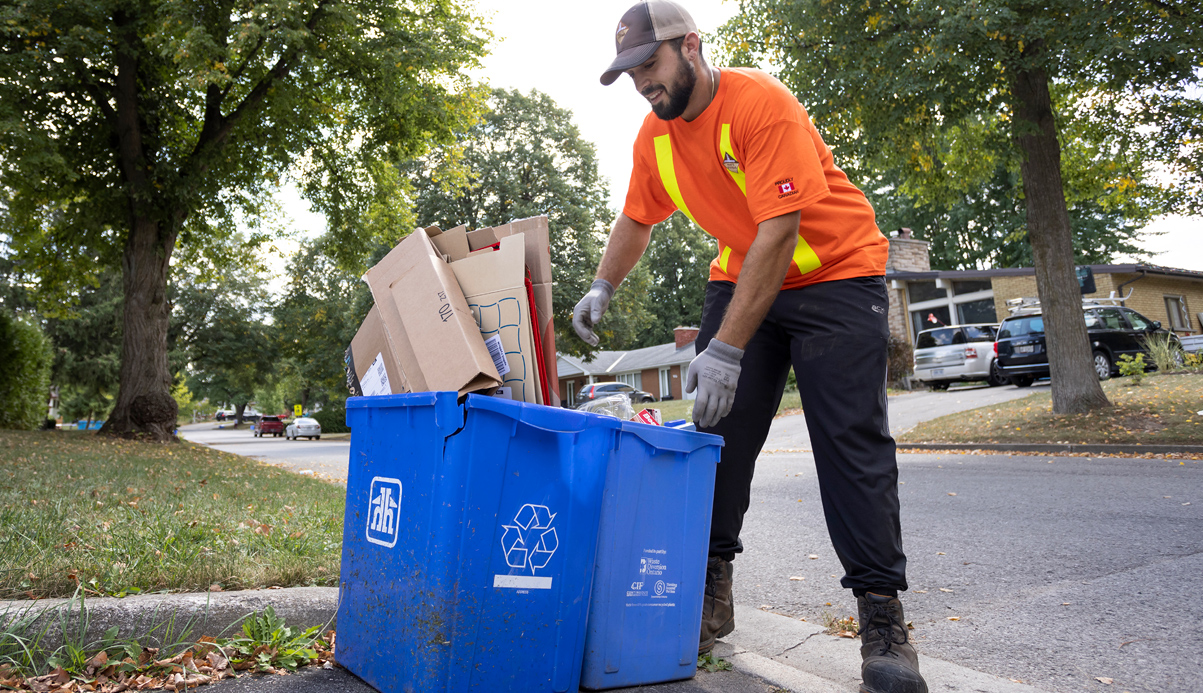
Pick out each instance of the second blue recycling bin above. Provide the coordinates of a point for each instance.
(471, 537)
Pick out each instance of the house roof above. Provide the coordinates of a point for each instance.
(617, 362)
(1022, 271)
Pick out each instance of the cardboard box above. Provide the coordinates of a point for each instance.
(369, 363)
(494, 286)
(537, 247)
(427, 323)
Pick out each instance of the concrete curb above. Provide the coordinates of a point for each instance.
(798, 656)
(1040, 447)
(158, 619)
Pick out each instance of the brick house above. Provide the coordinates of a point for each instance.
(659, 369)
(917, 293)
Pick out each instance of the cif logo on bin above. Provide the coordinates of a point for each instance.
(384, 511)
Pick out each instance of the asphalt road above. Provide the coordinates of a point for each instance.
(326, 457)
(1058, 569)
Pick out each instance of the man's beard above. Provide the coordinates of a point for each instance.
(678, 95)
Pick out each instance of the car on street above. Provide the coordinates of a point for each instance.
(1113, 331)
(303, 427)
(589, 393)
(956, 353)
(223, 414)
(270, 426)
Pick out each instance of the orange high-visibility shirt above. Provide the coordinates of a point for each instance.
(752, 155)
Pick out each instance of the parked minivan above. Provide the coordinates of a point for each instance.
(958, 353)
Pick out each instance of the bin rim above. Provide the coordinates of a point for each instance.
(671, 439)
(547, 418)
(406, 399)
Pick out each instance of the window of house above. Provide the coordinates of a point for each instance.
(970, 286)
(666, 389)
(924, 291)
(635, 380)
(981, 311)
(1175, 309)
(927, 318)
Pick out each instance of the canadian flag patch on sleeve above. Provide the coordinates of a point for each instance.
(785, 188)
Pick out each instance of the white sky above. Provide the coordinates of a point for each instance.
(562, 48)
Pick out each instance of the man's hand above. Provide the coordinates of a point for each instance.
(714, 373)
(590, 308)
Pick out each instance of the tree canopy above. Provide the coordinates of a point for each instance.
(127, 126)
(1091, 104)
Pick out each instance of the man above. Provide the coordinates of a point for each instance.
(799, 279)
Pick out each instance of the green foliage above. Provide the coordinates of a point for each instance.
(900, 359)
(333, 419)
(917, 100)
(527, 158)
(87, 349)
(678, 261)
(1193, 361)
(1133, 366)
(712, 664)
(1165, 351)
(25, 361)
(270, 644)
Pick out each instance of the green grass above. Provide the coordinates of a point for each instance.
(674, 409)
(1163, 409)
(116, 517)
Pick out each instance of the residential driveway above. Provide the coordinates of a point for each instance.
(908, 410)
(1058, 571)
(326, 457)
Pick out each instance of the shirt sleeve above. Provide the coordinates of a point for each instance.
(647, 202)
(784, 171)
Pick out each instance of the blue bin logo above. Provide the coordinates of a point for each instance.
(384, 511)
(531, 541)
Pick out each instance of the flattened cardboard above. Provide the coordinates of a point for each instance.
(494, 287)
(370, 343)
(428, 324)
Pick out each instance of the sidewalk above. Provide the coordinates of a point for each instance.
(768, 652)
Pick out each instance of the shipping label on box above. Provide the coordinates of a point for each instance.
(432, 332)
(368, 362)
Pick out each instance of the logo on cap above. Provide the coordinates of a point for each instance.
(621, 33)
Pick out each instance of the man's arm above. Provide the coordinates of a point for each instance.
(760, 278)
(628, 241)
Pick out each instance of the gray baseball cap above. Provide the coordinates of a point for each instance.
(640, 32)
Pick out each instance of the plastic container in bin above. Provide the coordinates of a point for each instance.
(469, 541)
(646, 609)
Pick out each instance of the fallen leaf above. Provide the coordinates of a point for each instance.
(919, 591)
(952, 494)
(941, 553)
(954, 618)
(1104, 679)
(812, 556)
(945, 589)
(796, 577)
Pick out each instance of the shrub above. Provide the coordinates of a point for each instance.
(1134, 367)
(25, 360)
(333, 419)
(901, 359)
(1165, 352)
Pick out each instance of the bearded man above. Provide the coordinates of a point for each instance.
(798, 280)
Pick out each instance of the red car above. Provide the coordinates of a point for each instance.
(270, 425)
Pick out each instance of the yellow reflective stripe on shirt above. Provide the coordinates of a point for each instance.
(724, 257)
(805, 257)
(724, 148)
(668, 175)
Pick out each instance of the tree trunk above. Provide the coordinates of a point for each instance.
(144, 404)
(1075, 385)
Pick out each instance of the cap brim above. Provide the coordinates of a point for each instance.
(632, 57)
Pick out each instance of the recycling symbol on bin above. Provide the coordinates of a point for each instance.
(531, 540)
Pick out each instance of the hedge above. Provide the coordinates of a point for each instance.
(25, 360)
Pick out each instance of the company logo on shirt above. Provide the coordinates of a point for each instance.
(786, 187)
(621, 32)
(731, 164)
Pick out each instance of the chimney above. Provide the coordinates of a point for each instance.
(903, 232)
(684, 336)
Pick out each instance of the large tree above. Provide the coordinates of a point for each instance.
(678, 259)
(128, 126)
(906, 82)
(523, 159)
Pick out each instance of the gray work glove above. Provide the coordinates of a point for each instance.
(589, 311)
(714, 373)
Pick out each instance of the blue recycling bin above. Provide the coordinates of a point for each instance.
(645, 612)
(469, 542)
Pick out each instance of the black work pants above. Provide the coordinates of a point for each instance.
(834, 334)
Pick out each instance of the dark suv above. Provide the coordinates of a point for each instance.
(589, 393)
(1113, 332)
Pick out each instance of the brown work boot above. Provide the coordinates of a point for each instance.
(889, 661)
(718, 609)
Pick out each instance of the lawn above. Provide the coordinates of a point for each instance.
(683, 408)
(1162, 409)
(116, 517)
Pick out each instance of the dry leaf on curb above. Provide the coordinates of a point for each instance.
(1104, 679)
(945, 589)
(952, 494)
(846, 634)
(954, 618)
(796, 577)
(813, 556)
